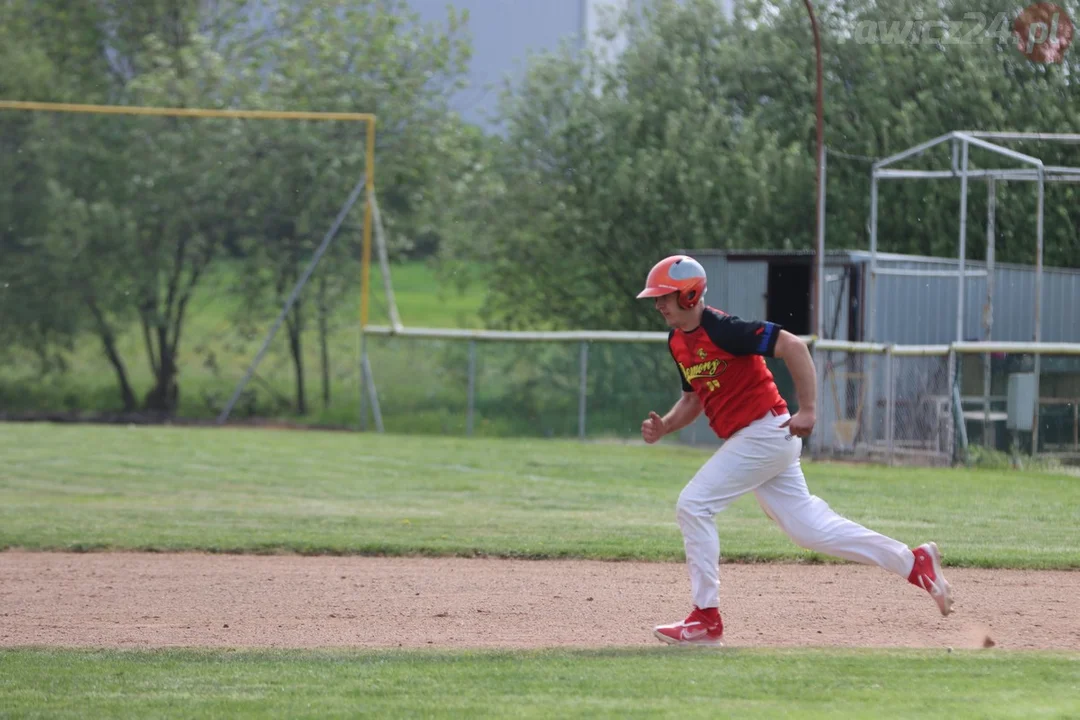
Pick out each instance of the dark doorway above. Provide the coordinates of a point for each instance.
(788, 301)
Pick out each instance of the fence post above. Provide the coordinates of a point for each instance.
(951, 370)
(583, 387)
(890, 404)
(1076, 425)
(470, 401)
(871, 372)
(1038, 405)
(816, 444)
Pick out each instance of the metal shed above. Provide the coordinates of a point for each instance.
(913, 309)
(916, 299)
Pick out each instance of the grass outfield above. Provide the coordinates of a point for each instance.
(660, 682)
(259, 491)
(233, 490)
(216, 350)
(522, 390)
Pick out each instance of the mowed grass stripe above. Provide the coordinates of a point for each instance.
(655, 682)
(161, 488)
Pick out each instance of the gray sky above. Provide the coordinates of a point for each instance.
(503, 33)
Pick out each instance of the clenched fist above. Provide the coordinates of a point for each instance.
(801, 424)
(652, 429)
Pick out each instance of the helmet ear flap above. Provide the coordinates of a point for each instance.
(687, 299)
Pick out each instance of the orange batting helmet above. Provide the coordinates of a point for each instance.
(676, 274)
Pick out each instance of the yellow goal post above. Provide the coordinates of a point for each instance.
(369, 173)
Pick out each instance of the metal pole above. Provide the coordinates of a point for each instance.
(292, 299)
(365, 251)
(365, 257)
(952, 417)
(819, 258)
(1076, 425)
(955, 378)
(1038, 303)
(871, 299)
(384, 261)
(817, 443)
(369, 378)
(890, 404)
(583, 387)
(958, 419)
(869, 303)
(962, 254)
(820, 329)
(988, 313)
(471, 397)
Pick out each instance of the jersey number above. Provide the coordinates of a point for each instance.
(713, 385)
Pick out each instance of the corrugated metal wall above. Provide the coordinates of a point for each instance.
(914, 310)
(736, 286)
(838, 281)
(1061, 296)
(716, 272)
(746, 285)
(922, 310)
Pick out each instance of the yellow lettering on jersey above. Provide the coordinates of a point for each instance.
(709, 368)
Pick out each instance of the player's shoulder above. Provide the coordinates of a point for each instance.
(720, 318)
(723, 328)
(715, 318)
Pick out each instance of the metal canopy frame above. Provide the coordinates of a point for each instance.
(1036, 171)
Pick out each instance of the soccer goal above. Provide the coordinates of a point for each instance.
(151, 248)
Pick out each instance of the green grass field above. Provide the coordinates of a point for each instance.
(217, 348)
(157, 488)
(83, 487)
(521, 389)
(608, 683)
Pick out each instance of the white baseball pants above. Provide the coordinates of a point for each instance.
(760, 458)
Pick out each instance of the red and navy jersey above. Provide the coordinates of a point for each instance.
(722, 360)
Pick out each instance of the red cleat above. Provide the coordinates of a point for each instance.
(927, 574)
(697, 629)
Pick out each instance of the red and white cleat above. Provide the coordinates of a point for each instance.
(927, 574)
(699, 628)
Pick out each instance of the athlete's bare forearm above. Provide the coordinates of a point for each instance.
(683, 412)
(800, 364)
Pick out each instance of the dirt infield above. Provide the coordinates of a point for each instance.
(168, 600)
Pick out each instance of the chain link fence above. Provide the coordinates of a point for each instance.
(586, 389)
(884, 403)
(998, 389)
(929, 405)
(939, 404)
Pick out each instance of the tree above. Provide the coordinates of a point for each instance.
(701, 134)
(372, 56)
(118, 219)
(127, 212)
(35, 61)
